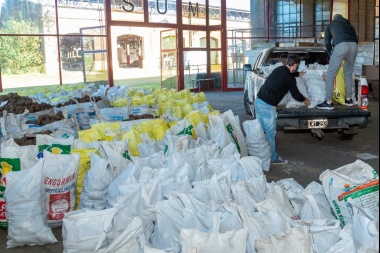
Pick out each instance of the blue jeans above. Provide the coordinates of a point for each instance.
(266, 114)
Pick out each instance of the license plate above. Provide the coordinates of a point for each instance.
(317, 123)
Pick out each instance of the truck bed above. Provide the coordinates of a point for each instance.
(339, 111)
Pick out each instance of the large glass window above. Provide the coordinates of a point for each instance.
(65, 41)
(215, 12)
(127, 10)
(322, 15)
(28, 17)
(240, 22)
(42, 56)
(75, 15)
(194, 39)
(194, 13)
(163, 11)
(288, 18)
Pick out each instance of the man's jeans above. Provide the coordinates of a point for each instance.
(266, 114)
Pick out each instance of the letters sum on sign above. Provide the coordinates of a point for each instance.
(130, 7)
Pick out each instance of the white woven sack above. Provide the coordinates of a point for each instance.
(257, 142)
(295, 240)
(27, 154)
(234, 241)
(25, 211)
(233, 127)
(219, 133)
(356, 182)
(324, 233)
(82, 229)
(59, 181)
(293, 103)
(365, 229)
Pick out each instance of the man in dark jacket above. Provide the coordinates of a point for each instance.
(277, 85)
(342, 45)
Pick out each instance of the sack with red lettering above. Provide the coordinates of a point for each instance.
(59, 182)
(6, 165)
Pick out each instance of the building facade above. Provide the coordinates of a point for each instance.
(162, 42)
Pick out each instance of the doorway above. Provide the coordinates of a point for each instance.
(130, 51)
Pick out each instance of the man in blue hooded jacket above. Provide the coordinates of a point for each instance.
(342, 45)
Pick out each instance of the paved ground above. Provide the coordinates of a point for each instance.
(308, 157)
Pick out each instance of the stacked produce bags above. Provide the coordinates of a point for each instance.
(177, 177)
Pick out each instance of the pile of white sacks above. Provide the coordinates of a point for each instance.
(194, 195)
(311, 85)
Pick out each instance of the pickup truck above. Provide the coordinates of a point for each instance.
(346, 121)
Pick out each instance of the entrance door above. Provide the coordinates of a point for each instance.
(169, 78)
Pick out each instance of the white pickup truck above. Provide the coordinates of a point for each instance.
(345, 120)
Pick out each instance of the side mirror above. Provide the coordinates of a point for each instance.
(247, 67)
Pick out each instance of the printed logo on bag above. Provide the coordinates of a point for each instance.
(365, 193)
(3, 217)
(188, 130)
(127, 156)
(59, 204)
(231, 132)
(5, 168)
(7, 165)
(57, 149)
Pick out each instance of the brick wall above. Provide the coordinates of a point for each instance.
(362, 17)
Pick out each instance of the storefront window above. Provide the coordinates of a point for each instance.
(163, 11)
(29, 17)
(194, 13)
(215, 12)
(132, 10)
(195, 67)
(239, 36)
(74, 15)
(194, 39)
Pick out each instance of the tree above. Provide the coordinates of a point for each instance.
(20, 54)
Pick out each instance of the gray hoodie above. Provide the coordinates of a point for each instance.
(339, 30)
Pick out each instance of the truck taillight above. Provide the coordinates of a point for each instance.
(363, 94)
(364, 90)
(364, 103)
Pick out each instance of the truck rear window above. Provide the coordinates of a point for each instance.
(321, 58)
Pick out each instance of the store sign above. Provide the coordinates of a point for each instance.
(130, 7)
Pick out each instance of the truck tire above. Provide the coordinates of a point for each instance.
(348, 134)
(345, 137)
(246, 103)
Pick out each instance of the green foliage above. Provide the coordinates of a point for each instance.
(20, 54)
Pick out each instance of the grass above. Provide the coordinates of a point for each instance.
(146, 83)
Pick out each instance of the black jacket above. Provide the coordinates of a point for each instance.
(340, 30)
(278, 83)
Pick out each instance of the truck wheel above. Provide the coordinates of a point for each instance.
(246, 103)
(348, 134)
(345, 137)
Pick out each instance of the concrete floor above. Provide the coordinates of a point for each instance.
(308, 157)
